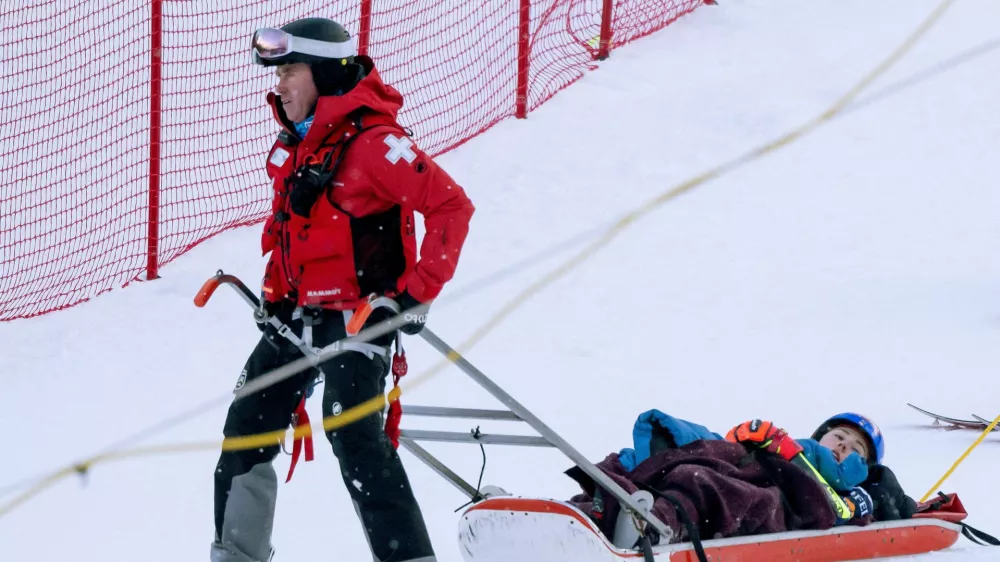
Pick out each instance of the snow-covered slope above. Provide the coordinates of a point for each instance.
(856, 269)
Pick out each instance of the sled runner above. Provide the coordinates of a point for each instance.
(500, 529)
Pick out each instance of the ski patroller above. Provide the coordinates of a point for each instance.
(499, 526)
(978, 422)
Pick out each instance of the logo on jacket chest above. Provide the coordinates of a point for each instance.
(323, 293)
(279, 157)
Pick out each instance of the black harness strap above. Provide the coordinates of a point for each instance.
(692, 529)
(359, 128)
(647, 549)
(978, 537)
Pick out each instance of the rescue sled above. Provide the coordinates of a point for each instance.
(501, 529)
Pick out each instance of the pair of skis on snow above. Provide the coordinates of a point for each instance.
(978, 423)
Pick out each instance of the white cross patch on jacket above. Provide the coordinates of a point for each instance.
(399, 147)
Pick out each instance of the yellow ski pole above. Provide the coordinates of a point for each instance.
(975, 444)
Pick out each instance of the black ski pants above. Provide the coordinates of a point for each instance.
(245, 481)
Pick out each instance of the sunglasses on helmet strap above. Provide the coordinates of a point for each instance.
(269, 44)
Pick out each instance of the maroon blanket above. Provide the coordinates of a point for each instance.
(724, 490)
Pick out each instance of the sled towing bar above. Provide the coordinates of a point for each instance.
(516, 412)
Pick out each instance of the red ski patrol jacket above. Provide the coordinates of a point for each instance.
(359, 237)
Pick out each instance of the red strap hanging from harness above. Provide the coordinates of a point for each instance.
(395, 414)
(302, 419)
(399, 369)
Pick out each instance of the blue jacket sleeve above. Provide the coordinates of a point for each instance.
(842, 476)
(654, 427)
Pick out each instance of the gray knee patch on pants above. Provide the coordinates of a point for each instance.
(249, 518)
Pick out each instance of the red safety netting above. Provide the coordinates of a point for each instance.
(78, 93)
(632, 19)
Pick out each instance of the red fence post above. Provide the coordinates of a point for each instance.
(155, 76)
(604, 47)
(366, 27)
(523, 56)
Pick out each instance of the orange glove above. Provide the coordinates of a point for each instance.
(764, 435)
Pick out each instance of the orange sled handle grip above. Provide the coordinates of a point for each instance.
(364, 311)
(359, 318)
(222, 278)
(206, 291)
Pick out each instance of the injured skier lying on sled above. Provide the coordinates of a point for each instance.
(755, 480)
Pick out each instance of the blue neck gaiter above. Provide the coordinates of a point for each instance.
(302, 128)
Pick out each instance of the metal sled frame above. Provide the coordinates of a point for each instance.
(515, 412)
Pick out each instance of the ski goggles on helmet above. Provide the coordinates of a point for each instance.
(269, 46)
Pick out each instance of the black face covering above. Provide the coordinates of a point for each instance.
(332, 78)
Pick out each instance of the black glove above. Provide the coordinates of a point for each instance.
(270, 309)
(305, 186)
(282, 310)
(862, 504)
(414, 322)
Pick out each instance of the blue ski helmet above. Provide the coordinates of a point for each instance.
(863, 424)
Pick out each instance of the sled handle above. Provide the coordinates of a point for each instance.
(364, 311)
(220, 278)
(206, 292)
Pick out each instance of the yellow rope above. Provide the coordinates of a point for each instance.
(975, 444)
(377, 403)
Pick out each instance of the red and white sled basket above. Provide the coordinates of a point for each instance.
(513, 529)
